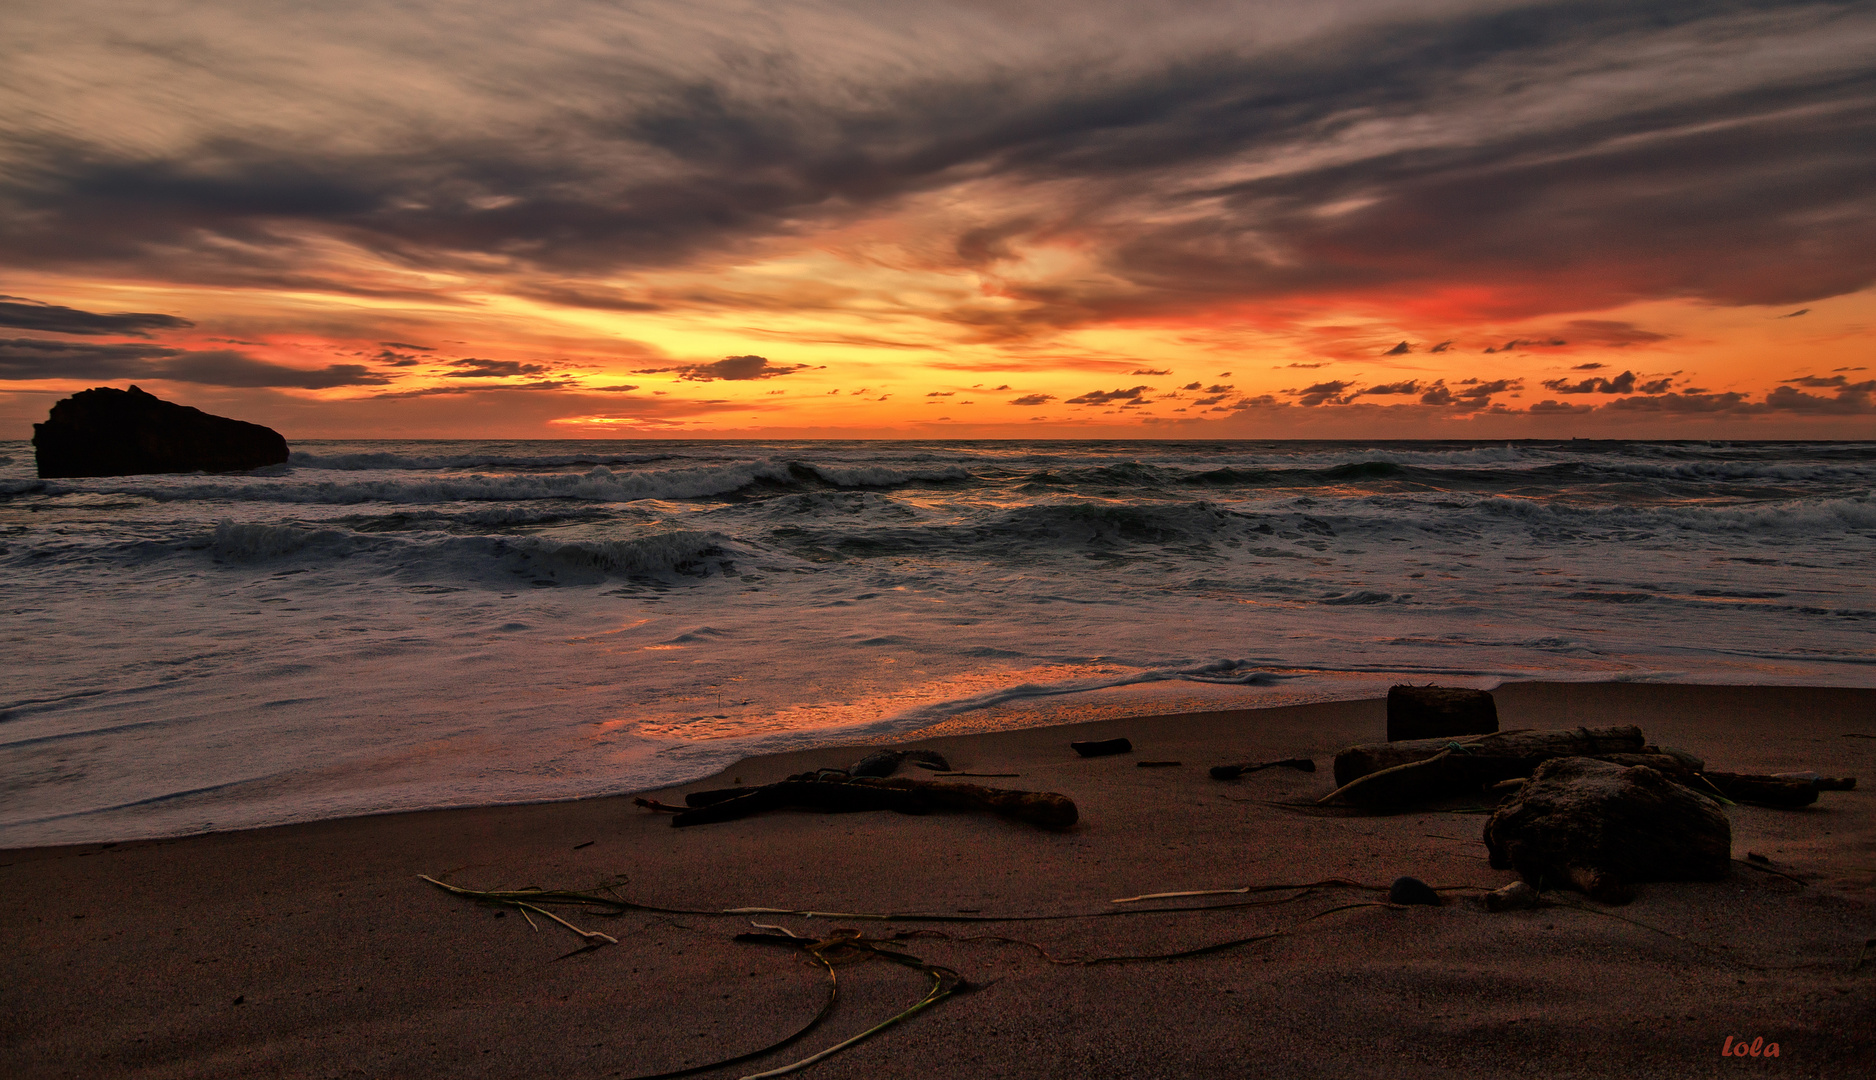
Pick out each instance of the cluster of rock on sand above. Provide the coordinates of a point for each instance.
(1594, 809)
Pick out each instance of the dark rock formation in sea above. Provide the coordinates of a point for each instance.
(110, 432)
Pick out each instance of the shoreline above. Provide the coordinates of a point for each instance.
(131, 957)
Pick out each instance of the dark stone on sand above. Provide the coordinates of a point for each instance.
(1439, 712)
(1101, 747)
(1598, 827)
(1411, 890)
(110, 432)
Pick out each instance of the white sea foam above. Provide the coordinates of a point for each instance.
(383, 626)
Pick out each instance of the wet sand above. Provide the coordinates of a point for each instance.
(314, 950)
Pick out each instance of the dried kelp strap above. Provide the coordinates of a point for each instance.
(1339, 883)
(1242, 889)
(523, 906)
(1144, 958)
(841, 943)
(617, 904)
(945, 982)
(833, 994)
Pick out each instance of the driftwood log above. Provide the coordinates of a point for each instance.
(1599, 827)
(1434, 712)
(1424, 769)
(1044, 809)
(1824, 783)
(1781, 791)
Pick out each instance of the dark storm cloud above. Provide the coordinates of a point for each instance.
(730, 368)
(1399, 350)
(1714, 190)
(1409, 386)
(473, 367)
(1108, 397)
(1323, 393)
(1621, 384)
(454, 391)
(1730, 402)
(1032, 399)
(1850, 400)
(227, 368)
(1467, 395)
(19, 313)
(33, 359)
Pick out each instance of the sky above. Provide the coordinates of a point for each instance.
(882, 219)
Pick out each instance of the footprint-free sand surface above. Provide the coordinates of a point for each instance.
(315, 950)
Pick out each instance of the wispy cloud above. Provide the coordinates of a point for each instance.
(19, 313)
(34, 359)
(731, 368)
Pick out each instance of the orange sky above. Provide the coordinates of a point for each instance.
(828, 220)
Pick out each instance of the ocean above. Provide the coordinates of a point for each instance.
(380, 626)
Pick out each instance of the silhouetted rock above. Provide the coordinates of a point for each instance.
(1411, 890)
(109, 432)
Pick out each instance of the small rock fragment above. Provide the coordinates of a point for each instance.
(1101, 747)
(1411, 890)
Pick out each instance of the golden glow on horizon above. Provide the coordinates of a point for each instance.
(888, 350)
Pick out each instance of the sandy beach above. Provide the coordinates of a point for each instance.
(315, 950)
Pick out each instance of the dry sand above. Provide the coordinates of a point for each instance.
(313, 950)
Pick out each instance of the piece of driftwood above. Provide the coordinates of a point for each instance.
(710, 798)
(1824, 783)
(1600, 827)
(1787, 792)
(1044, 809)
(1158, 764)
(1101, 747)
(1506, 746)
(1438, 712)
(1232, 772)
(824, 795)
(902, 794)
(1674, 765)
(1486, 759)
